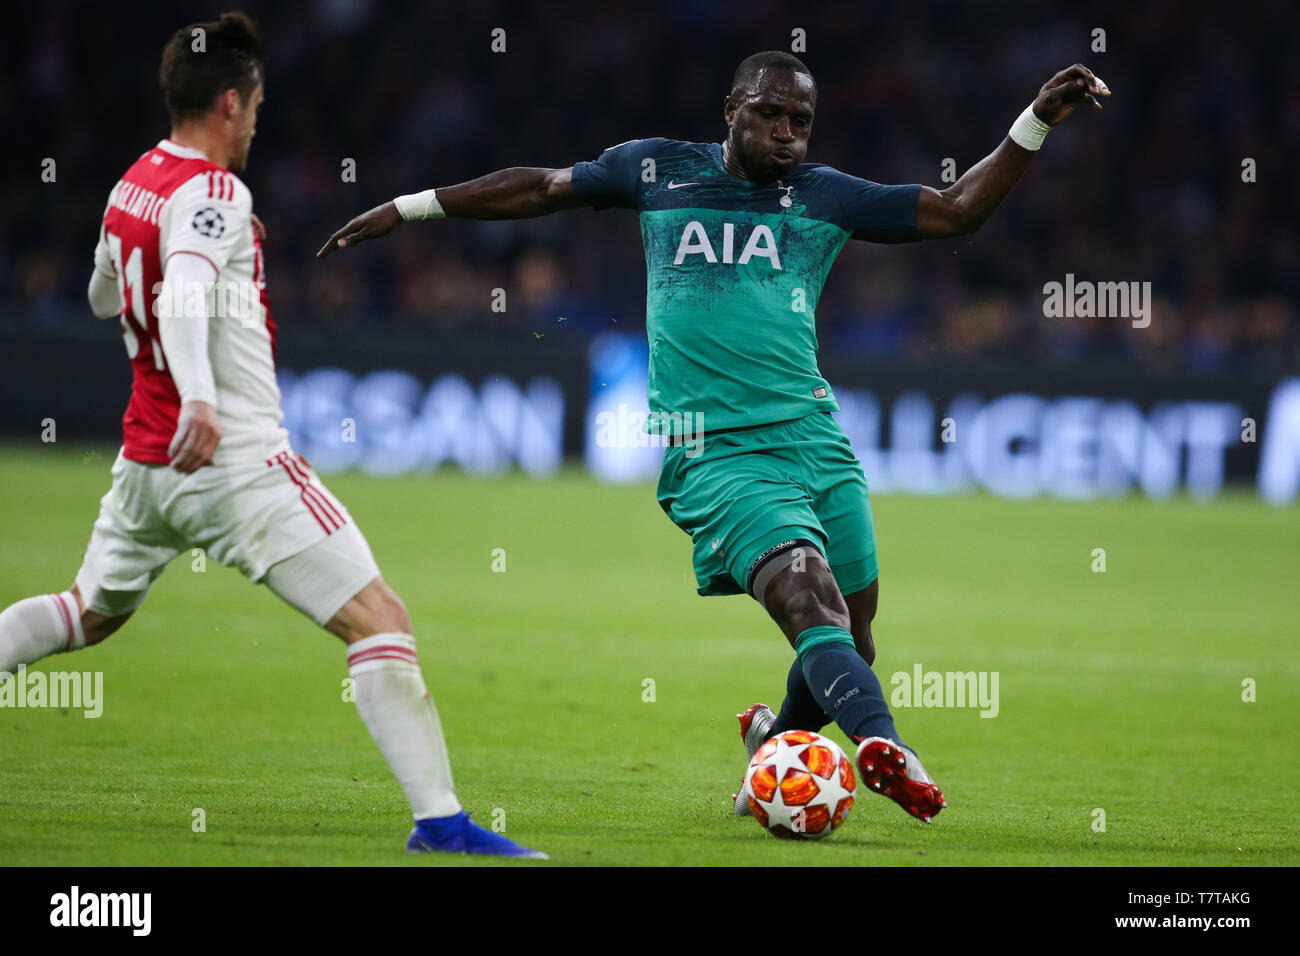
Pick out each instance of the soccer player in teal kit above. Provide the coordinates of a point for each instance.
(739, 237)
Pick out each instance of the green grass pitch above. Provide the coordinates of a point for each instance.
(1119, 691)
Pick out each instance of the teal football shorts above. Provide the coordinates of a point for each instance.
(747, 495)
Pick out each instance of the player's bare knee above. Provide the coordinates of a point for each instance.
(798, 600)
(862, 611)
(375, 610)
(810, 607)
(395, 613)
(860, 628)
(95, 626)
(388, 614)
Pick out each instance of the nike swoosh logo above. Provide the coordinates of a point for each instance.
(834, 682)
(673, 185)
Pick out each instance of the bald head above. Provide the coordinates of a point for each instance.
(749, 74)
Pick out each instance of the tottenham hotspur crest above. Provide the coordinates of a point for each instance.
(208, 222)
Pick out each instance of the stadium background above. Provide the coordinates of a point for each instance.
(1150, 190)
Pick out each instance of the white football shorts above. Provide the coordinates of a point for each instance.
(272, 519)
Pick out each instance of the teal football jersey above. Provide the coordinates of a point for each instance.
(734, 271)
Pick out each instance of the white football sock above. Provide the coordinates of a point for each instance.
(37, 627)
(399, 713)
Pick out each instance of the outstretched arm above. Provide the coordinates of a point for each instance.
(522, 192)
(964, 206)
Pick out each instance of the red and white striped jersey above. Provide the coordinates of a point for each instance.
(175, 200)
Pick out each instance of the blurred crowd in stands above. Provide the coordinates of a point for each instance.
(1183, 181)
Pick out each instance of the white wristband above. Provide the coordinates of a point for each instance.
(423, 205)
(1028, 130)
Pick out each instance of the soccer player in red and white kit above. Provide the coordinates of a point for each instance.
(205, 461)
